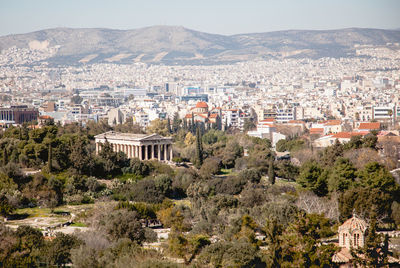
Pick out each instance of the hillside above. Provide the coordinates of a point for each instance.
(178, 45)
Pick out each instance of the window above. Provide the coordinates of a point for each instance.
(356, 240)
(344, 239)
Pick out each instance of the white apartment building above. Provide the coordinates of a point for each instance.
(231, 117)
(285, 115)
(383, 112)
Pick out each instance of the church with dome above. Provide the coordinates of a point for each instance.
(201, 113)
(352, 235)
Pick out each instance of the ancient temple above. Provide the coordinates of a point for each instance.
(142, 146)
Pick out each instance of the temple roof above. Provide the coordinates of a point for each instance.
(112, 135)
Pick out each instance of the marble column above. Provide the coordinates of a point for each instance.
(140, 152)
(170, 152)
(97, 148)
(146, 152)
(153, 155)
(159, 152)
(165, 152)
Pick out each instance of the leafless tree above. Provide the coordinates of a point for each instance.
(311, 203)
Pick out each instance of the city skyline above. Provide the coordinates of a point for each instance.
(222, 17)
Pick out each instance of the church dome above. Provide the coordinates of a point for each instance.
(201, 104)
(353, 224)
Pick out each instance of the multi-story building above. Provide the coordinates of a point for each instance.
(383, 112)
(285, 115)
(18, 114)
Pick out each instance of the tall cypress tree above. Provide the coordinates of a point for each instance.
(193, 125)
(169, 126)
(5, 156)
(49, 162)
(271, 172)
(199, 149)
(176, 122)
(219, 122)
(185, 124)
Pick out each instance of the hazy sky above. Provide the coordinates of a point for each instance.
(213, 16)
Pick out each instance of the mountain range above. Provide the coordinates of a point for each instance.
(178, 45)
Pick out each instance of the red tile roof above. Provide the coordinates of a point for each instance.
(370, 126)
(348, 135)
(213, 115)
(316, 130)
(45, 117)
(295, 122)
(268, 120)
(201, 104)
(332, 122)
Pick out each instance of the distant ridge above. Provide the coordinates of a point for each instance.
(178, 45)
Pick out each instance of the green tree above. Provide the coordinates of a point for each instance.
(211, 166)
(57, 186)
(314, 178)
(158, 126)
(271, 173)
(231, 152)
(58, 251)
(300, 242)
(248, 125)
(376, 176)
(331, 153)
(109, 158)
(5, 156)
(273, 233)
(169, 126)
(176, 123)
(123, 223)
(366, 202)
(79, 156)
(370, 140)
(342, 175)
(199, 149)
(281, 145)
(50, 158)
(6, 207)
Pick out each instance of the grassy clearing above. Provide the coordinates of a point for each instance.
(61, 212)
(226, 172)
(183, 202)
(34, 212)
(78, 224)
(128, 176)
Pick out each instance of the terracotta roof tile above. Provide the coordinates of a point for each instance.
(375, 125)
(316, 130)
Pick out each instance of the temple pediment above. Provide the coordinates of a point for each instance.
(153, 137)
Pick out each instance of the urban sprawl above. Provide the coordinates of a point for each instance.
(330, 97)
